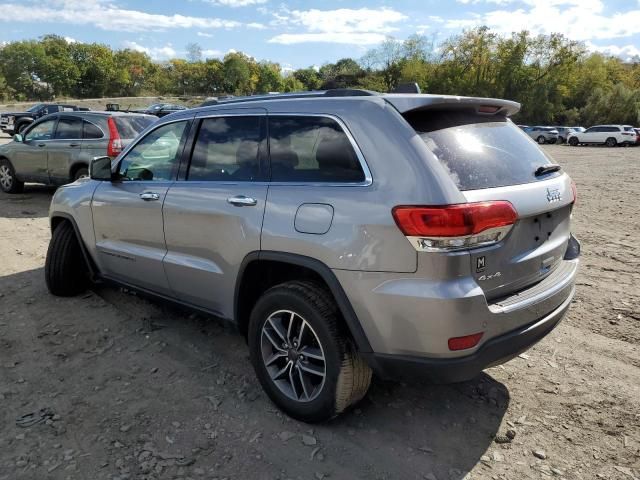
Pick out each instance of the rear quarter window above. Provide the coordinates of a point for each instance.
(480, 151)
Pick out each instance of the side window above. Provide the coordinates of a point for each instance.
(156, 156)
(42, 131)
(591, 130)
(69, 128)
(227, 149)
(90, 131)
(311, 149)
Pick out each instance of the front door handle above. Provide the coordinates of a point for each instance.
(42, 144)
(74, 144)
(148, 196)
(242, 201)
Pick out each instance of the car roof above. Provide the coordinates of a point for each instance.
(403, 102)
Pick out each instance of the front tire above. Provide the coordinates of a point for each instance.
(611, 142)
(65, 269)
(541, 140)
(9, 183)
(573, 141)
(302, 353)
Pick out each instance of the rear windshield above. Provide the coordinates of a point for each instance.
(130, 126)
(480, 151)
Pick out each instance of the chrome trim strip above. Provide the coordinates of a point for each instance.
(527, 302)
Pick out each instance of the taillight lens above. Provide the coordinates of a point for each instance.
(114, 147)
(453, 227)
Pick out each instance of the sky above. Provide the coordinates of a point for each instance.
(299, 34)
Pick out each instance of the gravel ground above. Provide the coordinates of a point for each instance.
(131, 389)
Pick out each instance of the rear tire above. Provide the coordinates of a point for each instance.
(82, 172)
(573, 141)
(65, 268)
(9, 183)
(541, 140)
(284, 352)
(611, 142)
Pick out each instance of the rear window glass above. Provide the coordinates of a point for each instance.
(480, 151)
(131, 126)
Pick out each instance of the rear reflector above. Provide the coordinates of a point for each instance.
(462, 343)
(114, 147)
(451, 227)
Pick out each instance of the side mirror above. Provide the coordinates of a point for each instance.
(100, 169)
(18, 138)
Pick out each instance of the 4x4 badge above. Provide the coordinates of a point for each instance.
(553, 195)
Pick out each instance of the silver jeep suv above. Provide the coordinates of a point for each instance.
(344, 232)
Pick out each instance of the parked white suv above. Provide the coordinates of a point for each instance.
(610, 135)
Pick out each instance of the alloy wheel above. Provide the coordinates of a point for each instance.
(6, 177)
(293, 355)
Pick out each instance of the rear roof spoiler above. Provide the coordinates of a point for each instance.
(406, 103)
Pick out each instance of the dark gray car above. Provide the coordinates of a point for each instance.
(58, 148)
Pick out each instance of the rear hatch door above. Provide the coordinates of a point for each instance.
(489, 158)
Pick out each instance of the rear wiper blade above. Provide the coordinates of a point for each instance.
(547, 169)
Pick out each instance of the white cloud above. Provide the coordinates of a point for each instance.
(256, 25)
(236, 3)
(364, 26)
(70, 40)
(211, 53)
(577, 19)
(204, 34)
(335, 37)
(156, 53)
(625, 52)
(105, 16)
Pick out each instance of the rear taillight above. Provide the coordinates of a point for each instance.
(455, 227)
(114, 147)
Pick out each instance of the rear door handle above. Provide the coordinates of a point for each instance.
(148, 196)
(242, 201)
(42, 144)
(74, 144)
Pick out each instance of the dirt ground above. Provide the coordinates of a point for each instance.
(137, 390)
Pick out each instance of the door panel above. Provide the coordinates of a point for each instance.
(64, 149)
(127, 214)
(30, 160)
(213, 219)
(208, 238)
(129, 233)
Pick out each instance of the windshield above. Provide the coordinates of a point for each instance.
(480, 151)
(36, 107)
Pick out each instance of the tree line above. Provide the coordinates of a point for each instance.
(557, 80)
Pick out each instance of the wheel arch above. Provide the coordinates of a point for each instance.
(264, 269)
(75, 167)
(55, 220)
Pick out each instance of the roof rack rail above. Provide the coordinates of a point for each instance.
(349, 92)
(334, 92)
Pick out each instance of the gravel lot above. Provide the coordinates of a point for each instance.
(140, 390)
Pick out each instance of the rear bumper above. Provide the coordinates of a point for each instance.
(496, 351)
